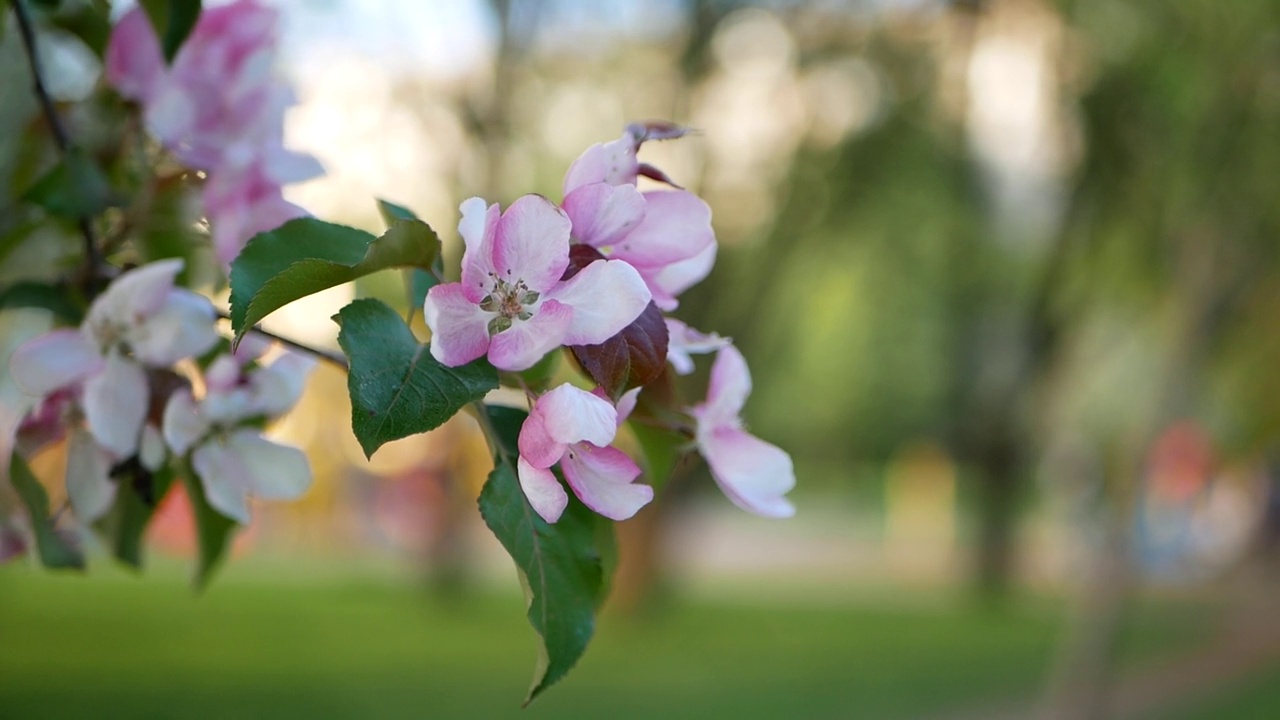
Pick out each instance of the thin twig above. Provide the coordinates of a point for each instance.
(336, 360)
(93, 258)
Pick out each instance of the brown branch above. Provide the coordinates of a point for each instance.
(336, 360)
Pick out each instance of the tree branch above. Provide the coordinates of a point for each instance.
(336, 360)
(93, 257)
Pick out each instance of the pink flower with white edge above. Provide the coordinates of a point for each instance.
(511, 304)
(141, 320)
(231, 458)
(241, 204)
(754, 474)
(665, 234)
(683, 341)
(574, 428)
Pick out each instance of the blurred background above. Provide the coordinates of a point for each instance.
(1007, 275)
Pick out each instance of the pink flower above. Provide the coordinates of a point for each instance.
(574, 428)
(665, 235)
(684, 341)
(241, 204)
(754, 474)
(140, 321)
(511, 303)
(228, 452)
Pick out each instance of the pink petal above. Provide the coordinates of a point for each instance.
(613, 162)
(182, 425)
(89, 485)
(182, 328)
(754, 474)
(285, 166)
(274, 471)
(223, 374)
(676, 226)
(136, 294)
(115, 404)
(606, 296)
(522, 345)
(459, 328)
(54, 360)
(133, 62)
(668, 282)
(602, 478)
(571, 415)
(478, 228)
(532, 243)
(727, 391)
(603, 214)
(684, 340)
(537, 447)
(543, 490)
(627, 403)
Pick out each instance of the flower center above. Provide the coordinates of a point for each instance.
(511, 302)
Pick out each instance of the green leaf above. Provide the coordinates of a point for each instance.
(75, 188)
(213, 531)
(168, 229)
(54, 298)
(53, 549)
(306, 255)
(562, 566)
(173, 21)
(417, 282)
(662, 447)
(397, 388)
(89, 21)
(140, 492)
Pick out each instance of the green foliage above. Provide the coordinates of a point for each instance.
(125, 527)
(397, 388)
(54, 298)
(662, 447)
(213, 530)
(417, 282)
(89, 21)
(53, 549)
(168, 229)
(561, 566)
(173, 21)
(75, 188)
(306, 255)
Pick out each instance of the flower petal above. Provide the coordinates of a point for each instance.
(602, 478)
(727, 391)
(115, 405)
(752, 473)
(136, 294)
(571, 415)
(627, 403)
(275, 471)
(89, 485)
(612, 162)
(684, 341)
(602, 214)
(532, 243)
(459, 328)
(182, 328)
(478, 228)
(277, 387)
(133, 64)
(183, 425)
(224, 477)
(537, 447)
(676, 226)
(667, 283)
(522, 345)
(151, 450)
(54, 360)
(543, 490)
(606, 296)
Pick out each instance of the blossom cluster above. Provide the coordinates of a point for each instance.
(112, 388)
(219, 108)
(517, 300)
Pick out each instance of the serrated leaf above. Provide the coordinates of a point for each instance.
(635, 356)
(213, 531)
(54, 298)
(173, 21)
(75, 188)
(54, 550)
(417, 282)
(306, 255)
(561, 565)
(139, 494)
(397, 388)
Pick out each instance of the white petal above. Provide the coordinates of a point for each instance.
(115, 405)
(277, 387)
(606, 296)
(135, 295)
(571, 415)
(151, 452)
(181, 328)
(54, 360)
(274, 471)
(183, 426)
(89, 485)
(224, 478)
(543, 490)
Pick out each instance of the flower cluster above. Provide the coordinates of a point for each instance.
(219, 109)
(111, 387)
(519, 299)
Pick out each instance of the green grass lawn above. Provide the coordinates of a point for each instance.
(339, 646)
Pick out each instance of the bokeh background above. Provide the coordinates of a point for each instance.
(1007, 273)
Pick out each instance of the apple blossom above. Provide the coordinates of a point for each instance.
(574, 428)
(512, 304)
(141, 320)
(754, 474)
(683, 341)
(228, 452)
